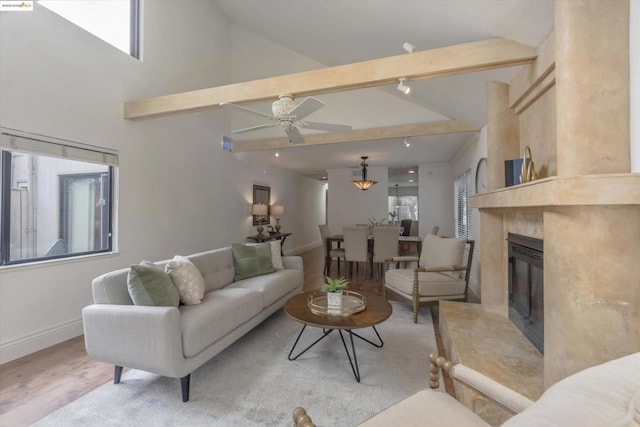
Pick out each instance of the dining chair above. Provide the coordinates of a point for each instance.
(443, 272)
(406, 227)
(356, 247)
(385, 246)
(333, 252)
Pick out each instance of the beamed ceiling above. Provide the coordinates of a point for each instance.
(460, 45)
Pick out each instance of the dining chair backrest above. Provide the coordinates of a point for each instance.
(406, 225)
(355, 243)
(324, 232)
(385, 243)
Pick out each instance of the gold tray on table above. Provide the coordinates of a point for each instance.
(352, 302)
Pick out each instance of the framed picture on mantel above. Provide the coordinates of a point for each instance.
(262, 194)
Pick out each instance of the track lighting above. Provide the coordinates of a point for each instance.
(277, 153)
(402, 87)
(406, 142)
(408, 47)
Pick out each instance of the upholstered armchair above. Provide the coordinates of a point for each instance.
(600, 396)
(443, 271)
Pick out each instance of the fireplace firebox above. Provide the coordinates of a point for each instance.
(526, 287)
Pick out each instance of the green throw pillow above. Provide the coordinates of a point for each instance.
(252, 260)
(148, 284)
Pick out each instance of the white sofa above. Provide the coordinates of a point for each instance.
(172, 341)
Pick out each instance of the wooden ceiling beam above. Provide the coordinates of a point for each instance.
(463, 58)
(371, 134)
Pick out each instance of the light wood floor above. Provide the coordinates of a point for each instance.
(36, 385)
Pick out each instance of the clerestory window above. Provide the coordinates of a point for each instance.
(117, 22)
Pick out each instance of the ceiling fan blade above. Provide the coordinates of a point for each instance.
(295, 137)
(327, 127)
(252, 128)
(307, 106)
(245, 109)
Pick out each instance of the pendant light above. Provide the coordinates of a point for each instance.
(364, 184)
(397, 204)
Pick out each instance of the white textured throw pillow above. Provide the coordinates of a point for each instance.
(276, 256)
(187, 278)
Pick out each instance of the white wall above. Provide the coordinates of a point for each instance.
(178, 193)
(348, 205)
(467, 158)
(435, 198)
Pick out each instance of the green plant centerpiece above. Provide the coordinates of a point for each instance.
(333, 288)
(334, 285)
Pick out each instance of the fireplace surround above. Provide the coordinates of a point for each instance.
(526, 287)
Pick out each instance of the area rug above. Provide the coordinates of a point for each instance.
(252, 383)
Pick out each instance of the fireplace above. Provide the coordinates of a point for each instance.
(526, 309)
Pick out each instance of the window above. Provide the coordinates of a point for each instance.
(462, 188)
(117, 22)
(404, 207)
(55, 199)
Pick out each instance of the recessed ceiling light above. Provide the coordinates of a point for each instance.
(412, 171)
(410, 180)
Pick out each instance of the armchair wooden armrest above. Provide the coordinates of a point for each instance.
(301, 419)
(504, 397)
(441, 268)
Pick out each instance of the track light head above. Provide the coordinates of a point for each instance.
(402, 87)
(408, 47)
(406, 142)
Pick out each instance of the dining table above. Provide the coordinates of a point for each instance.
(415, 240)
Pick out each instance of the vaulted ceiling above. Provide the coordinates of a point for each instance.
(333, 33)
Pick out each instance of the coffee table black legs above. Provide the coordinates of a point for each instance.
(352, 361)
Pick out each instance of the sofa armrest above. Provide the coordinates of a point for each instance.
(139, 337)
(293, 262)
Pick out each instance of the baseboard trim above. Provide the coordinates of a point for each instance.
(23, 346)
(303, 248)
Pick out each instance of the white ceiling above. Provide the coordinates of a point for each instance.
(336, 32)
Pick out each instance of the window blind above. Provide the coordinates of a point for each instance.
(462, 188)
(24, 142)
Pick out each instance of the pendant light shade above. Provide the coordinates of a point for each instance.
(364, 184)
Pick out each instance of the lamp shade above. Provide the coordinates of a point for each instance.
(277, 210)
(259, 209)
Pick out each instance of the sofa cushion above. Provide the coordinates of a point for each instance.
(273, 286)
(220, 312)
(600, 396)
(440, 251)
(426, 408)
(216, 267)
(252, 260)
(148, 284)
(429, 283)
(187, 279)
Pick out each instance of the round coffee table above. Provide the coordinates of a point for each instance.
(377, 311)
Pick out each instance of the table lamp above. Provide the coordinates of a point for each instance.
(260, 210)
(277, 211)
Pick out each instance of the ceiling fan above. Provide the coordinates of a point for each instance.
(288, 116)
